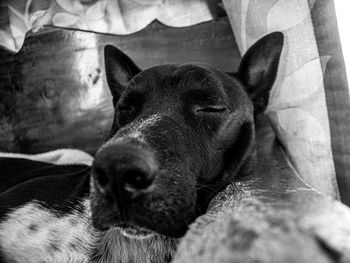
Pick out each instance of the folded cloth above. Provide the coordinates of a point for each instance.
(59, 157)
(106, 16)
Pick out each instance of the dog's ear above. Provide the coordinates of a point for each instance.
(119, 70)
(258, 68)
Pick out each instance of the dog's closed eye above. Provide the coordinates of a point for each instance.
(210, 109)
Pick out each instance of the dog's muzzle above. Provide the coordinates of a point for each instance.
(124, 172)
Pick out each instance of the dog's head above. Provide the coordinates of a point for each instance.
(180, 134)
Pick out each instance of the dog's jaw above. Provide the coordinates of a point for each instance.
(124, 245)
(128, 245)
(115, 245)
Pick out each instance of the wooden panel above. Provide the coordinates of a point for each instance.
(53, 93)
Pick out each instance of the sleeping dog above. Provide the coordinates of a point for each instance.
(180, 135)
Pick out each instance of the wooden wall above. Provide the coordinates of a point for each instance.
(53, 93)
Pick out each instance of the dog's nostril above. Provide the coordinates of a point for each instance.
(101, 177)
(135, 180)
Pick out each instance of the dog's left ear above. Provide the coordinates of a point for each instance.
(258, 69)
(120, 69)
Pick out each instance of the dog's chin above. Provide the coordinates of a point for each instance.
(129, 231)
(136, 232)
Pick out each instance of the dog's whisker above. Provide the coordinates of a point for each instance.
(166, 212)
(208, 186)
(77, 172)
(204, 79)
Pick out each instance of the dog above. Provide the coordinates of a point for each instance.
(180, 135)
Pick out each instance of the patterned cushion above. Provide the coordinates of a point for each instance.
(305, 109)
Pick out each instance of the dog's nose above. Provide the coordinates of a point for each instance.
(124, 172)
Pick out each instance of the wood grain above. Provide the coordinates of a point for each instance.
(53, 93)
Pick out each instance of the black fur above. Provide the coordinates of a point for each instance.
(197, 129)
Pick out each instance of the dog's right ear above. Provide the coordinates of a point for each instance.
(120, 69)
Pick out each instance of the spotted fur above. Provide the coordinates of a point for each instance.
(32, 233)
